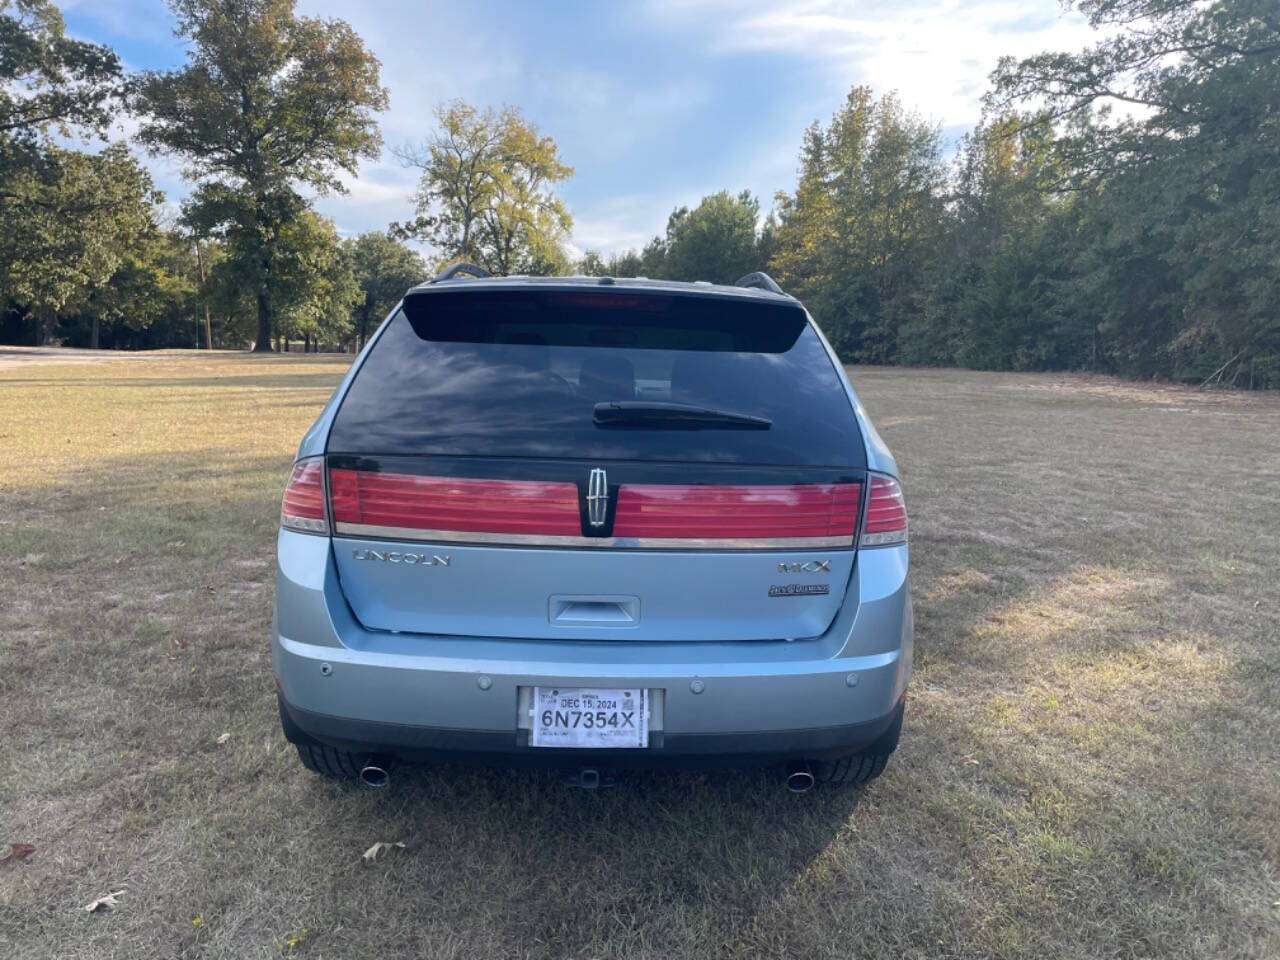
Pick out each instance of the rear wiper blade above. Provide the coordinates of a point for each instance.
(678, 416)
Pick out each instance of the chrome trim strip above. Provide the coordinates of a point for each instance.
(730, 543)
(625, 543)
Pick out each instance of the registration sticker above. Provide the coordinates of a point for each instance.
(590, 717)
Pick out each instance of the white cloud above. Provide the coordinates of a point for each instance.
(372, 200)
(623, 222)
(936, 53)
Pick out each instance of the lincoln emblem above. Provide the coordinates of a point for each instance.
(597, 497)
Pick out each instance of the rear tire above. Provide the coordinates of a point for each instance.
(315, 756)
(862, 767)
(329, 762)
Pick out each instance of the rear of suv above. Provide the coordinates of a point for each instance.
(594, 522)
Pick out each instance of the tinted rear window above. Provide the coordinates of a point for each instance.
(518, 374)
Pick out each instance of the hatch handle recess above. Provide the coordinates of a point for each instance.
(594, 611)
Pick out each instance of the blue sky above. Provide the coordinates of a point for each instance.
(654, 104)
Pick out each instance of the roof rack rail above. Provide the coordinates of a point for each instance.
(449, 273)
(760, 280)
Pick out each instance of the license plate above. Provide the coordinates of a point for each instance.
(590, 717)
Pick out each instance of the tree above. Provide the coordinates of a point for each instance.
(625, 264)
(316, 280)
(992, 298)
(806, 230)
(857, 237)
(487, 192)
(48, 82)
(591, 264)
(153, 280)
(268, 101)
(312, 279)
(1171, 118)
(384, 269)
(715, 241)
(68, 226)
(652, 260)
(65, 213)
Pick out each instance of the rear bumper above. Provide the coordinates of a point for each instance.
(415, 743)
(423, 696)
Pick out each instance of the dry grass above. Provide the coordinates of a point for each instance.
(1090, 767)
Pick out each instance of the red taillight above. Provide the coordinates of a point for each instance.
(303, 506)
(886, 514)
(825, 513)
(399, 504)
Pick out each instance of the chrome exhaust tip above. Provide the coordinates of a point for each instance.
(375, 776)
(799, 776)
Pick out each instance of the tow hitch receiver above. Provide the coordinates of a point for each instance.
(590, 778)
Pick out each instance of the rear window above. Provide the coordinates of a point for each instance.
(520, 374)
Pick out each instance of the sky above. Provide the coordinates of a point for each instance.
(654, 104)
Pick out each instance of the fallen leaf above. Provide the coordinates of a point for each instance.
(17, 853)
(293, 940)
(224, 738)
(108, 900)
(378, 849)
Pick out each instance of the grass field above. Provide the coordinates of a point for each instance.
(1090, 765)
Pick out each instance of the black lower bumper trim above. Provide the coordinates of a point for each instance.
(412, 743)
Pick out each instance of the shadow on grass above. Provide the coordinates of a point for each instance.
(650, 854)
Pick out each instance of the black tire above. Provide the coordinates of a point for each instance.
(315, 756)
(864, 766)
(328, 762)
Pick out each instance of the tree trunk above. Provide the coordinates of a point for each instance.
(208, 325)
(263, 343)
(93, 334)
(46, 324)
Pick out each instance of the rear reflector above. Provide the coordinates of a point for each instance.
(801, 515)
(886, 514)
(406, 505)
(303, 506)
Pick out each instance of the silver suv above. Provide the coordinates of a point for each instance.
(594, 522)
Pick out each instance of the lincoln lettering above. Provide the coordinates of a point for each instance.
(396, 556)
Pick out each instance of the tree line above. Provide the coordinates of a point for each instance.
(1116, 209)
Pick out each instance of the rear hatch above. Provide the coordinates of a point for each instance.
(620, 463)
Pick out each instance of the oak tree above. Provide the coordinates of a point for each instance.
(267, 103)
